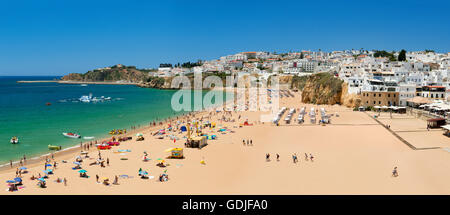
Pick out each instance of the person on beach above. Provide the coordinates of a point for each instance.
(278, 157)
(54, 165)
(248, 142)
(107, 161)
(251, 142)
(116, 180)
(311, 157)
(65, 182)
(24, 159)
(306, 157)
(10, 163)
(394, 172)
(267, 157)
(96, 178)
(243, 142)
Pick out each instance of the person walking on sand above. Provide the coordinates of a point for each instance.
(96, 178)
(107, 161)
(10, 163)
(267, 157)
(278, 157)
(395, 172)
(116, 180)
(65, 182)
(248, 142)
(306, 157)
(311, 157)
(243, 142)
(251, 142)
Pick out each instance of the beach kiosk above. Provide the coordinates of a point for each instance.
(435, 123)
(198, 142)
(175, 153)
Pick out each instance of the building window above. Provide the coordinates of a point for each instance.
(389, 95)
(379, 95)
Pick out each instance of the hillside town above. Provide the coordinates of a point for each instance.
(381, 79)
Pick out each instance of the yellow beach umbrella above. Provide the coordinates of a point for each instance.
(169, 150)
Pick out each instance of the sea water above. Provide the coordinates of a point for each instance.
(24, 113)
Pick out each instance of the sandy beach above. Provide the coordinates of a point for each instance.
(353, 154)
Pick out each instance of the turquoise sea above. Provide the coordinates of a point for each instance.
(24, 113)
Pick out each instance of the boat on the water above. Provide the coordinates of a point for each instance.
(71, 135)
(52, 147)
(83, 85)
(14, 140)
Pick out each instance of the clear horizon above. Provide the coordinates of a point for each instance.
(54, 38)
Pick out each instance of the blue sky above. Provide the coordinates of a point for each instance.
(54, 37)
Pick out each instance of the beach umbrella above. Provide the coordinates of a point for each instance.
(77, 163)
(82, 171)
(139, 134)
(48, 164)
(168, 150)
(143, 173)
(10, 181)
(18, 179)
(41, 179)
(23, 168)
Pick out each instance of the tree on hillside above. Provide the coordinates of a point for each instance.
(402, 55)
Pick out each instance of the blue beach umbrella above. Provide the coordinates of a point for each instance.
(41, 179)
(18, 179)
(48, 164)
(10, 181)
(23, 168)
(77, 163)
(143, 173)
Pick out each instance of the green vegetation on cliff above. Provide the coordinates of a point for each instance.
(114, 73)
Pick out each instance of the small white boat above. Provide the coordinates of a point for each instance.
(14, 140)
(71, 135)
(84, 85)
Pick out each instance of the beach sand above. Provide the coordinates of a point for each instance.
(352, 155)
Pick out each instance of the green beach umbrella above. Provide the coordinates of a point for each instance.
(82, 171)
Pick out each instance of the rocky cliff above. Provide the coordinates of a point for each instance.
(115, 73)
(324, 88)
